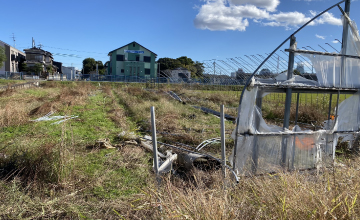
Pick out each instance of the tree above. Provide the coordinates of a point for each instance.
(100, 67)
(296, 72)
(50, 69)
(89, 64)
(196, 68)
(38, 68)
(199, 68)
(2, 56)
(169, 63)
(185, 61)
(23, 67)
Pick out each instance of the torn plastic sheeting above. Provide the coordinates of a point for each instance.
(328, 68)
(48, 117)
(304, 149)
(353, 39)
(349, 114)
(65, 119)
(328, 71)
(295, 80)
(300, 81)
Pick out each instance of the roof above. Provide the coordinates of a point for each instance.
(131, 43)
(11, 46)
(37, 50)
(5, 43)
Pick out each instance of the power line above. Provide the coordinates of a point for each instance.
(74, 50)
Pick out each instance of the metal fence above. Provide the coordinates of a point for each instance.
(18, 75)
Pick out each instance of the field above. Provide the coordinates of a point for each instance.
(54, 170)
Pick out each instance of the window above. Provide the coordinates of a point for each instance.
(130, 70)
(110, 69)
(137, 58)
(147, 59)
(133, 44)
(119, 57)
(138, 70)
(147, 71)
(122, 70)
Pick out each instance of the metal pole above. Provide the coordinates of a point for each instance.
(297, 108)
(344, 42)
(294, 141)
(323, 48)
(154, 141)
(288, 91)
(155, 151)
(288, 102)
(332, 47)
(222, 128)
(255, 153)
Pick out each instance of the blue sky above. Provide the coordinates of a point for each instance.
(201, 30)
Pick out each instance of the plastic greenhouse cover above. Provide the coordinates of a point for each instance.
(328, 68)
(267, 148)
(305, 148)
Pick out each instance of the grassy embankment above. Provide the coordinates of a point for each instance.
(56, 171)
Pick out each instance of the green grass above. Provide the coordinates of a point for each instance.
(4, 82)
(36, 93)
(86, 182)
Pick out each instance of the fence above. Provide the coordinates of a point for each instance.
(18, 75)
(20, 86)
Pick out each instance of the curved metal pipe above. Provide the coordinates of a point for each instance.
(257, 69)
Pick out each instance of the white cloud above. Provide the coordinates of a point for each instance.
(216, 16)
(234, 14)
(269, 5)
(328, 18)
(335, 41)
(319, 36)
(289, 18)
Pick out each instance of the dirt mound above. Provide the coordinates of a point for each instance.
(7, 92)
(43, 109)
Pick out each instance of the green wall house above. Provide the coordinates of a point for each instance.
(132, 60)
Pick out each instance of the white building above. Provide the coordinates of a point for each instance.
(13, 58)
(181, 73)
(300, 68)
(69, 72)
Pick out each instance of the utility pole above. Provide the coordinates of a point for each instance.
(214, 66)
(13, 37)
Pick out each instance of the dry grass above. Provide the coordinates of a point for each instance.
(48, 173)
(13, 114)
(331, 195)
(274, 111)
